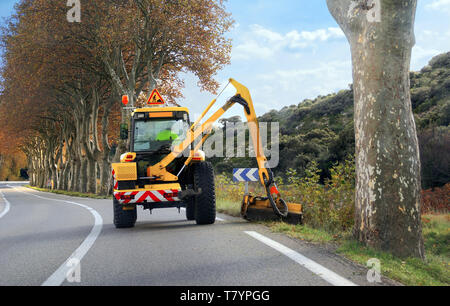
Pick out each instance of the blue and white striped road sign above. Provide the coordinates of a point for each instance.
(245, 175)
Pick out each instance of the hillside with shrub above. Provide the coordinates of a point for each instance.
(322, 130)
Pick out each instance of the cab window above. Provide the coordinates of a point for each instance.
(155, 134)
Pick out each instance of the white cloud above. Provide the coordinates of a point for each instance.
(295, 36)
(263, 43)
(421, 56)
(307, 83)
(420, 52)
(321, 34)
(264, 33)
(251, 49)
(441, 5)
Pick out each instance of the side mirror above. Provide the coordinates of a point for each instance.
(124, 131)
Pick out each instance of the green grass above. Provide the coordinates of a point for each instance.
(411, 271)
(228, 207)
(436, 229)
(70, 193)
(302, 232)
(434, 271)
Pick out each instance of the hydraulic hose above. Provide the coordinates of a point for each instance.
(268, 182)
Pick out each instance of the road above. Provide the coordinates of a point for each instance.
(44, 236)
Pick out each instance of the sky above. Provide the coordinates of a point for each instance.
(286, 51)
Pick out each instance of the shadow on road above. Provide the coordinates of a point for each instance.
(81, 232)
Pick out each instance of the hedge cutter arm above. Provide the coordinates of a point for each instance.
(198, 134)
(244, 98)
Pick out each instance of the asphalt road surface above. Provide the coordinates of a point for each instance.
(48, 239)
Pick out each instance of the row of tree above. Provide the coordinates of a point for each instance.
(62, 81)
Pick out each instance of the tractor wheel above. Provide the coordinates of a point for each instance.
(124, 218)
(205, 202)
(190, 209)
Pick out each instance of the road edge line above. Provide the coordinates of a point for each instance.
(7, 206)
(326, 274)
(60, 275)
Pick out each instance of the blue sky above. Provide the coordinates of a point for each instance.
(289, 50)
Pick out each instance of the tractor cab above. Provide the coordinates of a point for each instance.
(154, 134)
(156, 131)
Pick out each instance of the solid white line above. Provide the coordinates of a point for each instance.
(314, 267)
(60, 275)
(18, 182)
(7, 206)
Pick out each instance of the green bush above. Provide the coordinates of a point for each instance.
(330, 206)
(227, 190)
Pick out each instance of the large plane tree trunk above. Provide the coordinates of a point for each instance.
(105, 162)
(388, 200)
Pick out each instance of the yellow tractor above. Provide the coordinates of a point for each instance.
(166, 168)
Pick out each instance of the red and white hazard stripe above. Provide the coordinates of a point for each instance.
(116, 183)
(154, 196)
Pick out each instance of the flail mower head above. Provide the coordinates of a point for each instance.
(272, 207)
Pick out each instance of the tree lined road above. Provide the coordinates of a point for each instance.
(41, 231)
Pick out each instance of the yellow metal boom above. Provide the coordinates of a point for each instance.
(202, 131)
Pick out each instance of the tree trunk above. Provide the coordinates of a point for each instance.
(71, 176)
(52, 168)
(105, 163)
(381, 36)
(75, 185)
(105, 177)
(32, 174)
(64, 185)
(83, 175)
(91, 176)
(128, 89)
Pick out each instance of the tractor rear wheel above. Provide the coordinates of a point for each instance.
(205, 202)
(124, 218)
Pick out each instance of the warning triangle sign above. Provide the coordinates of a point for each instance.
(155, 98)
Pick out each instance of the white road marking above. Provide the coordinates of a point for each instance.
(309, 264)
(60, 275)
(7, 206)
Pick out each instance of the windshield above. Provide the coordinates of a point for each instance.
(154, 135)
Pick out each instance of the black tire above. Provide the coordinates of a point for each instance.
(190, 209)
(205, 203)
(124, 218)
